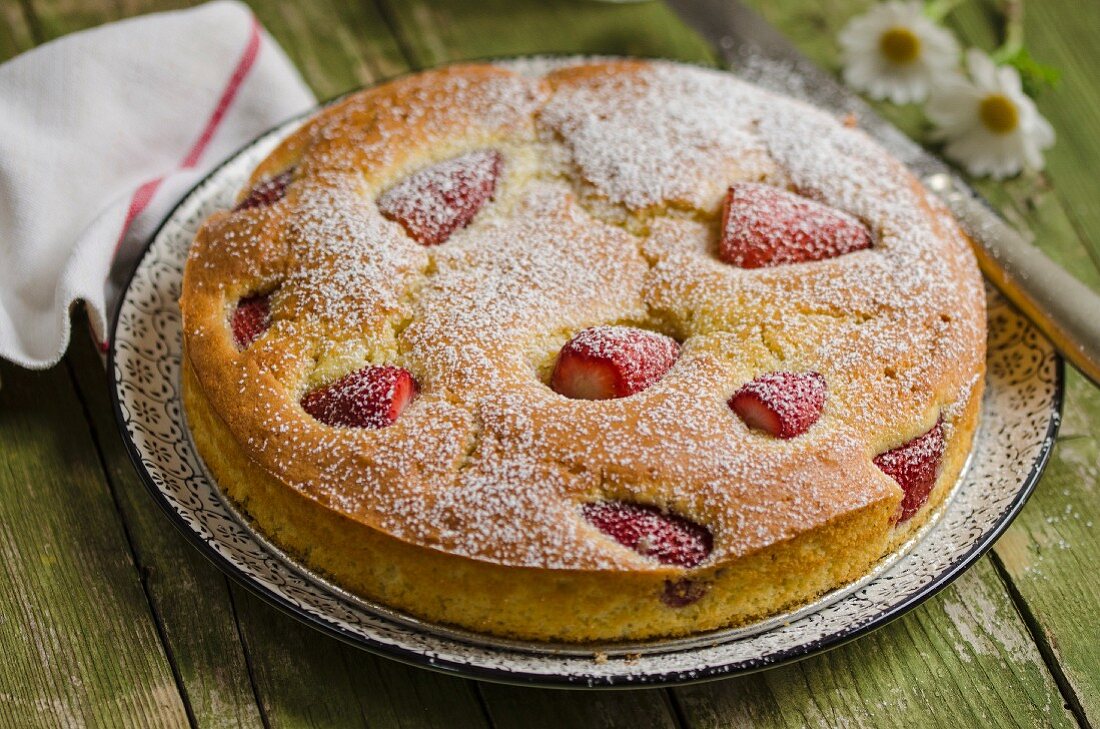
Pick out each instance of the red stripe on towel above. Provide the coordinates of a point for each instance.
(144, 194)
(244, 65)
(138, 202)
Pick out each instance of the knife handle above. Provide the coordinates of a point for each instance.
(1063, 308)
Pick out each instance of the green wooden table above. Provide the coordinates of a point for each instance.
(107, 617)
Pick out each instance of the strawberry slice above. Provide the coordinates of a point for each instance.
(668, 538)
(435, 202)
(372, 397)
(915, 465)
(250, 319)
(605, 362)
(268, 192)
(684, 592)
(765, 226)
(782, 404)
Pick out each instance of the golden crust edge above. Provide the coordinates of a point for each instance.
(560, 605)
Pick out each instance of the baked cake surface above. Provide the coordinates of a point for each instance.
(439, 243)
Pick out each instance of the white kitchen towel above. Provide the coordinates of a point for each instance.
(101, 132)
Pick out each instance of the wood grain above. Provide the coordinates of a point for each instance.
(306, 679)
(442, 32)
(965, 659)
(1063, 33)
(15, 33)
(1050, 552)
(79, 620)
(1045, 554)
(336, 44)
(79, 644)
(449, 30)
(187, 594)
(532, 708)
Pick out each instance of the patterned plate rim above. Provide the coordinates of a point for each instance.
(424, 659)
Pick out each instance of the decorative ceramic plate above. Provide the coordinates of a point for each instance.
(1019, 418)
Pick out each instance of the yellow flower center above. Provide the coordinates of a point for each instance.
(998, 114)
(900, 45)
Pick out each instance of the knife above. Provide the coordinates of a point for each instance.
(1063, 308)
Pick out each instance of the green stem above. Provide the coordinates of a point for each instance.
(1013, 30)
(937, 10)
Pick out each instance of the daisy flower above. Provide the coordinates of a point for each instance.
(991, 127)
(894, 52)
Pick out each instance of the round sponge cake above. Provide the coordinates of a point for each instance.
(451, 232)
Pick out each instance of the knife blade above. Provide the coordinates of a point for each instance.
(1063, 308)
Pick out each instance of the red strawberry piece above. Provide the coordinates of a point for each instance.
(250, 319)
(681, 593)
(765, 226)
(435, 202)
(606, 362)
(266, 193)
(915, 465)
(668, 538)
(782, 404)
(372, 397)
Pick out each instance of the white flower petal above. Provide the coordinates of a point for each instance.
(859, 74)
(942, 43)
(954, 108)
(982, 70)
(1042, 132)
(979, 153)
(1033, 157)
(910, 90)
(953, 104)
(867, 69)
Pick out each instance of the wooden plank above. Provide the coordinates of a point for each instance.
(80, 645)
(1050, 553)
(1045, 554)
(336, 44)
(1031, 204)
(187, 593)
(307, 679)
(590, 30)
(1062, 33)
(15, 32)
(190, 596)
(440, 32)
(964, 659)
(532, 708)
(444, 31)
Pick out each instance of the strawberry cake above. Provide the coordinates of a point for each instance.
(604, 350)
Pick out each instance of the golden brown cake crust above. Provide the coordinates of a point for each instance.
(467, 509)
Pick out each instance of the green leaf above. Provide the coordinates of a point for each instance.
(1036, 77)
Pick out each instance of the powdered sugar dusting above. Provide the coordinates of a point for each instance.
(765, 226)
(348, 266)
(602, 362)
(666, 137)
(605, 212)
(434, 202)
